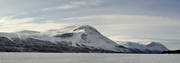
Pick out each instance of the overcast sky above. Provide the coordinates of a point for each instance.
(120, 20)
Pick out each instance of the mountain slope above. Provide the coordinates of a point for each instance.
(69, 39)
(149, 47)
(86, 36)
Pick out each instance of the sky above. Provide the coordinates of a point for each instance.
(119, 20)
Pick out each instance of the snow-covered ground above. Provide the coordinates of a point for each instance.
(87, 58)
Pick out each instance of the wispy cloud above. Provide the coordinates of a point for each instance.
(9, 20)
(129, 20)
(76, 4)
(10, 24)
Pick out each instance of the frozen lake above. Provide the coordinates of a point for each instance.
(87, 58)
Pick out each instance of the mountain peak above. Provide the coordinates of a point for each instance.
(75, 29)
(153, 43)
(86, 28)
(150, 46)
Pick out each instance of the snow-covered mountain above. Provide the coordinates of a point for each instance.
(147, 47)
(70, 39)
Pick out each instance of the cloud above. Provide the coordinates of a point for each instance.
(102, 22)
(9, 20)
(76, 4)
(126, 20)
(10, 24)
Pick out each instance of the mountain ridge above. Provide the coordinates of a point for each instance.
(69, 39)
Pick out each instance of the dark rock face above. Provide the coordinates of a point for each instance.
(65, 35)
(6, 45)
(34, 45)
(84, 36)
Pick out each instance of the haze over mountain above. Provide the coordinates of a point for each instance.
(71, 39)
